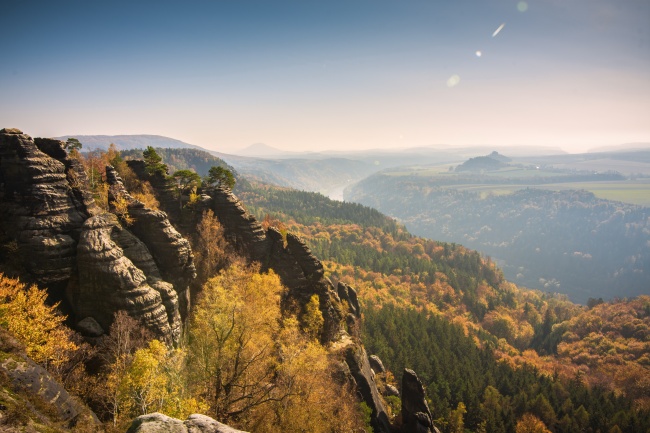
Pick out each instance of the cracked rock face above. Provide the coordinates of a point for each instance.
(42, 205)
(170, 251)
(112, 264)
(416, 416)
(82, 256)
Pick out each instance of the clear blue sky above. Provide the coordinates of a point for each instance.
(335, 74)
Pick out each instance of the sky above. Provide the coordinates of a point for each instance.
(310, 75)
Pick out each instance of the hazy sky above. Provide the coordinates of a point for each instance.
(331, 74)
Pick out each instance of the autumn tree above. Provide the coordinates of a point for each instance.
(186, 182)
(231, 341)
(126, 335)
(529, 423)
(25, 314)
(308, 397)
(312, 318)
(152, 383)
(456, 422)
(211, 251)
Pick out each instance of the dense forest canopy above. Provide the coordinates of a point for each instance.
(517, 351)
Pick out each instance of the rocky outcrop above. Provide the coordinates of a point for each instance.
(117, 272)
(29, 381)
(240, 228)
(390, 391)
(300, 271)
(43, 205)
(376, 364)
(86, 258)
(357, 360)
(159, 423)
(348, 294)
(171, 252)
(311, 267)
(416, 416)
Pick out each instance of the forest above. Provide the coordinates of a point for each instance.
(493, 357)
(565, 241)
(484, 343)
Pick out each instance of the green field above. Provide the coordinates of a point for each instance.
(628, 191)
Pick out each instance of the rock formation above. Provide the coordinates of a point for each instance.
(357, 359)
(376, 364)
(158, 423)
(348, 294)
(117, 272)
(240, 227)
(416, 416)
(43, 205)
(82, 256)
(171, 251)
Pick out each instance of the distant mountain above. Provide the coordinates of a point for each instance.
(263, 150)
(128, 142)
(494, 161)
(621, 147)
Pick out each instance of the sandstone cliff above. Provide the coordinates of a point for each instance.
(42, 206)
(86, 258)
(172, 253)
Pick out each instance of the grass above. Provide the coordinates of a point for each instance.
(628, 191)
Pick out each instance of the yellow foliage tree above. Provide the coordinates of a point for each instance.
(152, 383)
(308, 398)
(231, 341)
(39, 327)
(210, 247)
(529, 423)
(256, 370)
(312, 318)
(456, 422)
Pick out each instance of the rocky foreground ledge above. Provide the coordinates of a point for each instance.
(159, 423)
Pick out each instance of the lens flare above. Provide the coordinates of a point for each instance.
(478, 53)
(522, 6)
(453, 81)
(496, 32)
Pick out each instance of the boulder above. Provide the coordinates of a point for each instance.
(390, 391)
(376, 364)
(196, 423)
(89, 327)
